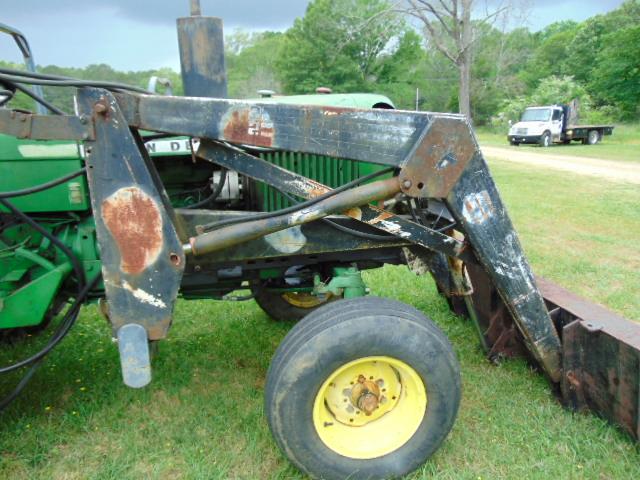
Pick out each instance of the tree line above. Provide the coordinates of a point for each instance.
(379, 46)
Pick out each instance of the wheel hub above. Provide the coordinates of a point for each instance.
(365, 395)
(369, 407)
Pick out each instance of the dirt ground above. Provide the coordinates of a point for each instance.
(611, 170)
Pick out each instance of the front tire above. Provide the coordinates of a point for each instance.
(545, 139)
(362, 388)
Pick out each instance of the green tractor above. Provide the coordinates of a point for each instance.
(138, 198)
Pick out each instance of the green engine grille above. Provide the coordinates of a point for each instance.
(329, 171)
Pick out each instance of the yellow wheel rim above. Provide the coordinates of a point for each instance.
(304, 299)
(369, 407)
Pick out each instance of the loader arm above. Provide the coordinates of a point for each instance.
(437, 157)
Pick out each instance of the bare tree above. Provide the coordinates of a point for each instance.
(449, 27)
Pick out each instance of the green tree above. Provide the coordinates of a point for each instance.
(251, 62)
(616, 77)
(551, 52)
(338, 43)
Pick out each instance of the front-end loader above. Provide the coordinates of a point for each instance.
(137, 199)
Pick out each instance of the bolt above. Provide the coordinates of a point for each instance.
(86, 136)
(100, 108)
(197, 268)
(406, 184)
(83, 119)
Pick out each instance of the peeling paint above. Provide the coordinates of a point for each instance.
(144, 296)
(394, 228)
(477, 207)
(289, 240)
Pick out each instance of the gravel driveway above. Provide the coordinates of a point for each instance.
(594, 167)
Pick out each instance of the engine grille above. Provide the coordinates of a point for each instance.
(329, 171)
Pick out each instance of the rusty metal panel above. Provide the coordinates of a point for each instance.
(439, 158)
(385, 137)
(142, 258)
(601, 357)
(602, 370)
(44, 127)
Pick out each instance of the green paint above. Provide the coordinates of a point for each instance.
(33, 162)
(28, 305)
(346, 283)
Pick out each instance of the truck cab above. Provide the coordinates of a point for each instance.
(541, 125)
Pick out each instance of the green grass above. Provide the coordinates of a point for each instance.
(623, 145)
(202, 416)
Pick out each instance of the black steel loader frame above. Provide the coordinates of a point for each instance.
(479, 264)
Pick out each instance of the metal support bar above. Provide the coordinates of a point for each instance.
(201, 44)
(385, 137)
(45, 127)
(249, 230)
(289, 182)
(142, 259)
(475, 203)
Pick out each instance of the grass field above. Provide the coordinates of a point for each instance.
(623, 145)
(202, 416)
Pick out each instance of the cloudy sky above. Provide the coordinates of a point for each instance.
(140, 34)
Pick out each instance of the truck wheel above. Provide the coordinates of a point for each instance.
(545, 139)
(362, 388)
(287, 306)
(593, 137)
(514, 143)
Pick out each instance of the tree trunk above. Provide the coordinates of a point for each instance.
(464, 100)
(464, 59)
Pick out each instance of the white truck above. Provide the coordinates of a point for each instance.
(554, 124)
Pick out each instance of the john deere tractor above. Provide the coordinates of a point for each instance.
(133, 199)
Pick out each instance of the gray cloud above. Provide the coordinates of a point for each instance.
(257, 14)
(140, 34)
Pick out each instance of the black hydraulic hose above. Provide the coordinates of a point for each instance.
(37, 98)
(350, 231)
(77, 268)
(357, 233)
(66, 324)
(69, 82)
(4, 403)
(215, 194)
(42, 186)
(299, 206)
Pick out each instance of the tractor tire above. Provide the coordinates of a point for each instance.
(545, 139)
(286, 306)
(365, 388)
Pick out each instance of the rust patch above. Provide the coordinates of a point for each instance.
(134, 221)
(354, 212)
(383, 216)
(251, 126)
(335, 110)
(439, 160)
